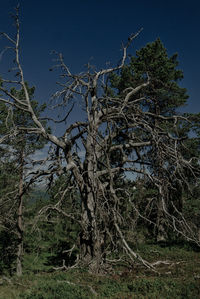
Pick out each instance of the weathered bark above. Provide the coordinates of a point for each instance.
(161, 234)
(90, 237)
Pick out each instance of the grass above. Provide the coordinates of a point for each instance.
(180, 278)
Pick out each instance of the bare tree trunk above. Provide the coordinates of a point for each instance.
(19, 218)
(90, 237)
(161, 235)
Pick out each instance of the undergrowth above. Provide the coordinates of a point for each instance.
(179, 277)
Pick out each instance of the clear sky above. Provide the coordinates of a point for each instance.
(93, 30)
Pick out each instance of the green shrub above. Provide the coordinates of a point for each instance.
(56, 290)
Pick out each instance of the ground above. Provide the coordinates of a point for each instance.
(177, 276)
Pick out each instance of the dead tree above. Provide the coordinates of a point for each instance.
(105, 117)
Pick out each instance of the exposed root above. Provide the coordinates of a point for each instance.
(131, 253)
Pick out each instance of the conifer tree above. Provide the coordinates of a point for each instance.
(161, 97)
(18, 146)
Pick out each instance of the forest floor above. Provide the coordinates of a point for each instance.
(177, 276)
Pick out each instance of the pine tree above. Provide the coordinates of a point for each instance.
(161, 97)
(163, 94)
(19, 146)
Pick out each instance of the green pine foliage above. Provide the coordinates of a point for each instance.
(162, 96)
(15, 150)
(163, 91)
(50, 236)
(29, 142)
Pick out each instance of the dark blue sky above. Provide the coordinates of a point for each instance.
(93, 30)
